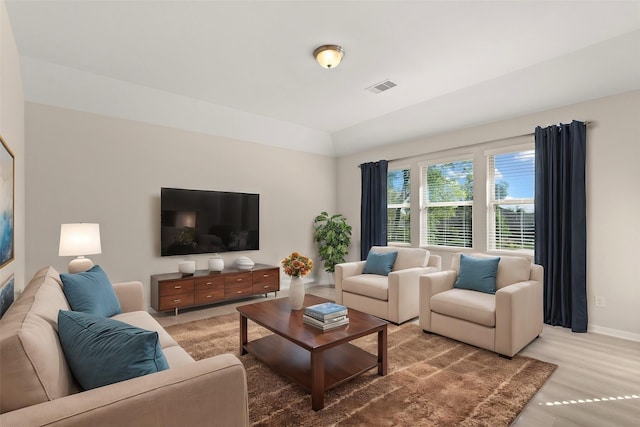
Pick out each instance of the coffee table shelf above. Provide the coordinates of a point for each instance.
(316, 360)
(341, 363)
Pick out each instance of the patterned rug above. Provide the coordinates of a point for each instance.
(432, 381)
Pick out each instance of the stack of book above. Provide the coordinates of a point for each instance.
(326, 316)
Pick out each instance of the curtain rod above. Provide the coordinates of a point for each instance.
(586, 123)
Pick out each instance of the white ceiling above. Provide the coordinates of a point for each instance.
(242, 65)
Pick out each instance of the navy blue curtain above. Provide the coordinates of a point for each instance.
(373, 206)
(561, 222)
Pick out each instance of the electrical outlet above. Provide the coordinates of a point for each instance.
(600, 301)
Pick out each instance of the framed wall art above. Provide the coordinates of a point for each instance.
(6, 295)
(7, 203)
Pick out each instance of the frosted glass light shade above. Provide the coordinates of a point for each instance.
(329, 55)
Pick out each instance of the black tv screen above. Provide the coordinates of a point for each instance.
(200, 222)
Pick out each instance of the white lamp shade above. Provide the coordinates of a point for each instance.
(79, 239)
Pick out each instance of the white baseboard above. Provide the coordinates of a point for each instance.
(614, 333)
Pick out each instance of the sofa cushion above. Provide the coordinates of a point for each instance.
(473, 306)
(478, 274)
(511, 269)
(34, 368)
(407, 257)
(380, 264)
(91, 292)
(143, 320)
(369, 285)
(103, 351)
(177, 356)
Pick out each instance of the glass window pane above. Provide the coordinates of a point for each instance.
(449, 226)
(511, 210)
(515, 227)
(398, 206)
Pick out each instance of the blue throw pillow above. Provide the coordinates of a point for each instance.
(91, 292)
(103, 351)
(478, 274)
(380, 263)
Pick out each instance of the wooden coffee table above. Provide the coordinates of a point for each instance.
(316, 360)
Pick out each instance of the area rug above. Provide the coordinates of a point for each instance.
(432, 381)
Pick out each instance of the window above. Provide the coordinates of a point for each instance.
(510, 213)
(398, 206)
(447, 204)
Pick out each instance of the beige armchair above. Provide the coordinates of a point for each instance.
(393, 297)
(504, 323)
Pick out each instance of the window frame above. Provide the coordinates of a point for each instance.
(492, 202)
(407, 206)
(425, 204)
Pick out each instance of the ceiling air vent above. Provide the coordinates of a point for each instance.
(381, 87)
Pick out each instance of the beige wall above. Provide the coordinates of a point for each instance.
(613, 196)
(84, 167)
(12, 130)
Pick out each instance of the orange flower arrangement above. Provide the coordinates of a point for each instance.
(296, 265)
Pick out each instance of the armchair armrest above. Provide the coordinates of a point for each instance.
(435, 261)
(344, 270)
(431, 284)
(130, 295)
(519, 316)
(404, 289)
(212, 391)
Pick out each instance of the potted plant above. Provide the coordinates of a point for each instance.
(333, 235)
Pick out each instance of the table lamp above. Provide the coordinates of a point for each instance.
(79, 240)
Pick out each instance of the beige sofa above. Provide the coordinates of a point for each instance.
(503, 323)
(394, 297)
(37, 387)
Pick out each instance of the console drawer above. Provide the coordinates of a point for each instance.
(176, 301)
(209, 283)
(238, 284)
(176, 287)
(209, 295)
(266, 281)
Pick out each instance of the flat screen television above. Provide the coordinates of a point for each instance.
(201, 222)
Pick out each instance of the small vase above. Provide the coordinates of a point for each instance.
(216, 264)
(296, 293)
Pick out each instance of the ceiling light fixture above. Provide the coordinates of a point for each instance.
(329, 55)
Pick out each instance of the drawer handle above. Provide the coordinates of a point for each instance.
(177, 287)
(177, 301)
(265, 275)
(266, 286)
(209, 296)
(239, 292)
(238, 280)
(208, 283)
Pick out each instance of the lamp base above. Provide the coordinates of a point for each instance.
(79, 265)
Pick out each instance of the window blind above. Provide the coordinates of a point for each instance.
(510, 216)
(399, 206)
(447, 204)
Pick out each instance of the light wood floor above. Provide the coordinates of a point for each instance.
(597, 382)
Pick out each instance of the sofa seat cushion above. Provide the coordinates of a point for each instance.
(368, 285)
(143, 320)
(473, 306)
